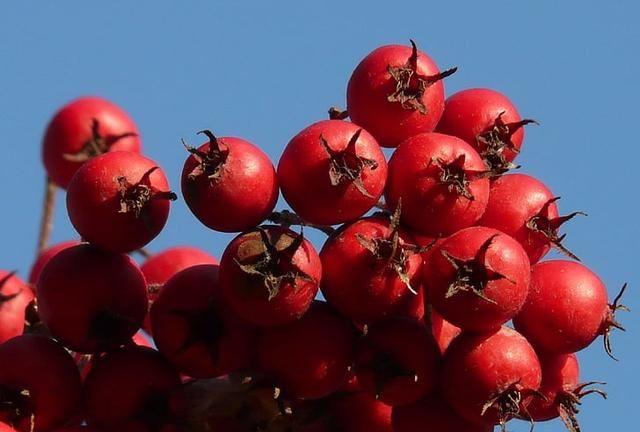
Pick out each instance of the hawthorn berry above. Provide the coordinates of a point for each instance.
(82, 129)
(119, 201)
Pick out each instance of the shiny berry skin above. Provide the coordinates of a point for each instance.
(229, 184)
(91, 300)
(15, 295)
(119, 201)
(487, 120)
(524, 208)
(397, 361)
(194, 328)
(441, 183)
(566, 309)
(133, 388)
(84, 128)
(443, 331)
(37, 377)
(159, 268)
(487, 371)
(309, 358)
(359, 412)
(362, 265)
(332, 172)
(270, 276)
(396, 92)
(478, 278)
(45, 256)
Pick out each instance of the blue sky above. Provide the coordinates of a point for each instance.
(265, 70)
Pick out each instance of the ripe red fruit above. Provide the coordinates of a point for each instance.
(369, 269)
(91, 300)
(159, 268)
(270, 276)
(15, 295)
(84, 128)
(524, 208)
(478, 278)
(359, 412)
(397, 361)
(561, 390)
(6, 428)
(229, 184)
(45, 256)
(566, 308)
(484, 374)
(441, 181)
(432, 415)
(195, 330)
(487, 120)
(119, 201)
(308, 358)
(332, 172)
(396, 92)
(133, 389)
(39, 384)
(442, 330)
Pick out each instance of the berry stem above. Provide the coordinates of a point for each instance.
(46, 221)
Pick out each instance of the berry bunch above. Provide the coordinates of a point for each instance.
(429, 255)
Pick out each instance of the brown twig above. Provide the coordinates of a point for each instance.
(48, 209)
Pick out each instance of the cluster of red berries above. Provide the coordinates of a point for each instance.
(419, 287)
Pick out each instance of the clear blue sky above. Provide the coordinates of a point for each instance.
(265, 70)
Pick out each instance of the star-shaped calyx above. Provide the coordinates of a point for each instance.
(568, 402)
(391, 251)
(275, 266)
(4, 298)
(473, 275)
(511, 403)
(548, 227)
(345, 166)
(410, 85)
(456, 177)
(496, 139)
(96, 145)
(210, 163)
(134, 197)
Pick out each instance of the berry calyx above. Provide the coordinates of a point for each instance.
(210, 162)
(548, 227)
(411, 85)
(135, 197)
(97, 145)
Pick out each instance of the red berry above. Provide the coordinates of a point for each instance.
(309, 357)
(369, 269)
(15, 295)
(91, 300)
(431, 414)
(478, 278)
(490, 378)
(396, 92)
(84, 128)
(332, 172)
(270, 275)
(440, 181)
(359, 412)
(160, 267)
(524, 208)
(487, 120)
(566, 308)
(561, 391)
(442, 330)
(397, 361)
(229, 184)
(194, 329)
(119, 201)
(39, 384)
(45, 256)
(134, 388)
